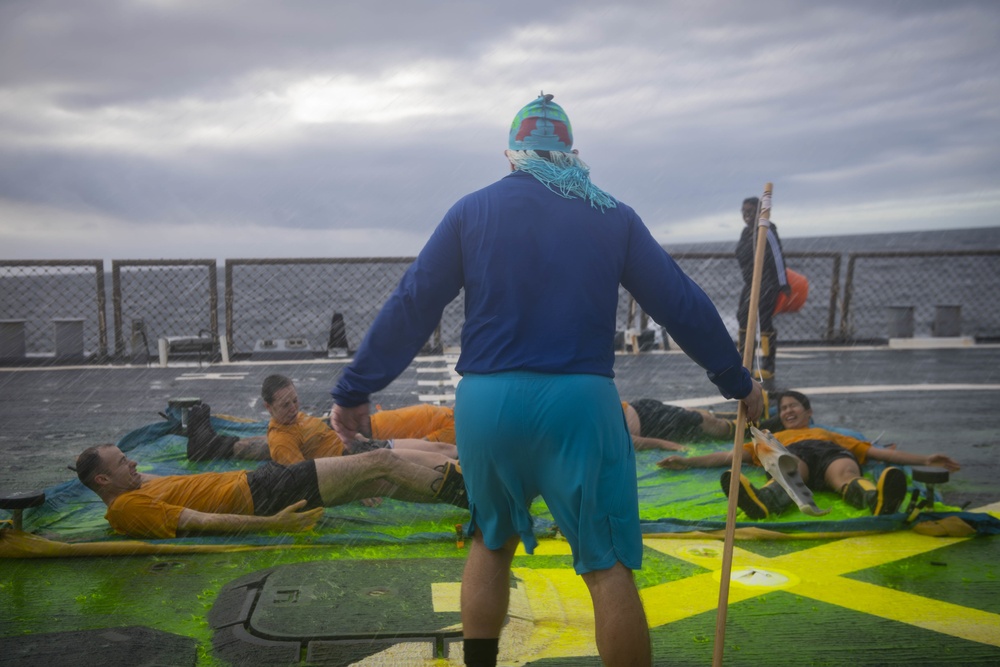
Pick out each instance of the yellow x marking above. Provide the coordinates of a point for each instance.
(817, 573)
(560, 614)
(555, 614)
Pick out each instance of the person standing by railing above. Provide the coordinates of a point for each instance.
(773, 282)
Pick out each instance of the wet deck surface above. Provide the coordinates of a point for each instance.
(896, 599)
(925, 400)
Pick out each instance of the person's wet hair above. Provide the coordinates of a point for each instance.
(798, 396)
(272, 385)
(89, 464)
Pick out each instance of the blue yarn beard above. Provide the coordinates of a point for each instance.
(565, 174)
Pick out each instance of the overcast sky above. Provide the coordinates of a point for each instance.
(201, 128)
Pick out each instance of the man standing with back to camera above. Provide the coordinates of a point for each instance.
(540, 254)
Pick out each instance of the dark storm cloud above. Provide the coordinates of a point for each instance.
(117, 51)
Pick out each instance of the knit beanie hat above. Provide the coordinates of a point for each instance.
(541, 125)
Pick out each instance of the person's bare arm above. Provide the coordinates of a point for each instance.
(911, 459)
(289, 520)
(643, 444)
(713, 460)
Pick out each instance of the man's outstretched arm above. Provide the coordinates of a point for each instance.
(714, 460)
(908, 458)
(289, 520)
(642, 443)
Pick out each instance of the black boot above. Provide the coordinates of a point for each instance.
(768, 352)
(451, 487)
(204, 444)
(767, 501)
(882, 498)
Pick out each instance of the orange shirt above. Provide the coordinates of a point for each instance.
(305, 438)
(426, 422)
(153, 510)
(790, 436)
(312, 438)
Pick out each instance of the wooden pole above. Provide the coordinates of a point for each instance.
(763, 223)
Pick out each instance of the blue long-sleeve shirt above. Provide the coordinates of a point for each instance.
(541, 275)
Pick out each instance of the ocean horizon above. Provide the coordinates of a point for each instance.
(970, 238)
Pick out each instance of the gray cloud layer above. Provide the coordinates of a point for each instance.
(301, 129)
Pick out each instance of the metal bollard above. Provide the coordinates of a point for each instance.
(947, 321)
(69, 338)
(900, 321)
(12, 339)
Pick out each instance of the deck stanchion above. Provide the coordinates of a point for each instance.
(763, 223)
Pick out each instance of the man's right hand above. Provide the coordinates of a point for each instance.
(349, 422)
(292, 520)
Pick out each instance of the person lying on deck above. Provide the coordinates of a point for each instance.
(293, 436)
(658, 425)
(271, 498)
(828, 461)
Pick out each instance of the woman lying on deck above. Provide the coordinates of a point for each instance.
(294, 436)
(828, 461)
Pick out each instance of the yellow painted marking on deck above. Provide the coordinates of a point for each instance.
(818, 572)
(756, 577)
(684, 598)
(446, 596)
(555, 547)
(555, 606)
(860, 553)
(943, 617)
(562, 614)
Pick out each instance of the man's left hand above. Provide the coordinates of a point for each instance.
(754, 403)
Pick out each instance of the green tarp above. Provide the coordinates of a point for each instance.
(671, 502)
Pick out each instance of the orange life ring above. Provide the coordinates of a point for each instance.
(793, 302)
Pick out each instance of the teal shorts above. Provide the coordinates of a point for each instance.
(521, 435)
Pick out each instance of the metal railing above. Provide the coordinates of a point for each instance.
(37, 294)
(879, 281)
(315, 300)
(720, 277)
(163, 298)
(269, 299)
